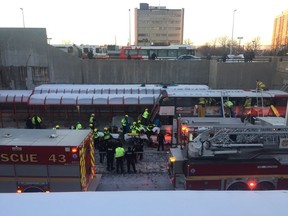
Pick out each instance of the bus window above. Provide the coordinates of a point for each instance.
(184, 102)
(162, 53)
(98, 50)
(172, 53)
(131, 52)
(85, 50)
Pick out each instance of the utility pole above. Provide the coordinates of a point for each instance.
(23, 17)
(231, 44)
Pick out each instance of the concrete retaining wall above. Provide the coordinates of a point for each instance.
(26, 60)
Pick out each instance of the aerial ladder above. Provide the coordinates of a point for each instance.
(239, 141)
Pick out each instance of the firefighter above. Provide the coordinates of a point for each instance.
(125, 124)
(247, 103)
(138, 147)
(110, 152)
(78, 126)
(145, 117)
(201, 107)
(229, 105)
(96, 138)
(133, 129)
(92, 121)
(36, 122)
(103, 143)
(140, 128)
(106, 134)
(246, 114)
(119, 155)
(161, 140)
(130, 158)
(260, 86)
(57, 127)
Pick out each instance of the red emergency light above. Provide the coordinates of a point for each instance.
(74, 150)
(184, 128)
(251, 184)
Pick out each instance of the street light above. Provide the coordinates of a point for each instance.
(231, 44)
(23, 17)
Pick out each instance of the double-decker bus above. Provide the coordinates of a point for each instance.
(175, 103)
(162, 52)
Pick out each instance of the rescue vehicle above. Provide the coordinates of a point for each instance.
(226, 154)
(45, 160)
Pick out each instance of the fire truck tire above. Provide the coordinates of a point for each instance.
(265, 185)
(238, 186)
(33, 189)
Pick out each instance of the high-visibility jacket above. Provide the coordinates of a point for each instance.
(260, 85)
(92, 119)
(124, 122)
(247, 103)
(228, 104)
(134, 129)
(107, 135)
(36, 119)
(145, 114)
(202, 101)
(119, 152)
(96, 135)
(78, 126)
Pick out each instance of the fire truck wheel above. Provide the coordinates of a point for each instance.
(238, 186)
(265, 186)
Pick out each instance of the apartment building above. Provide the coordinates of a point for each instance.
(156, 25)
(280, 31)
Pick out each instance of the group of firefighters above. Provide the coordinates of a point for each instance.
(112, 148)
(228, 104)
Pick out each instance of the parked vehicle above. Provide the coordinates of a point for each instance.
(46, 160)
(230, 155)
(188, 57)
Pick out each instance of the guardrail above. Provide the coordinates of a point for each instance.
(264, 59)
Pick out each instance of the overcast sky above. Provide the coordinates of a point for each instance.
(107, 22)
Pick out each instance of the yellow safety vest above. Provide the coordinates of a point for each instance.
(119, 152)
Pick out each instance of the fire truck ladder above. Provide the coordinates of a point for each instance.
(244, 137)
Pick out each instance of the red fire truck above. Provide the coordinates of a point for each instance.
(226, 154)
(46, 160)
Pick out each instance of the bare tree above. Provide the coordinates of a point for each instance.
(188, 41)
(223, 41)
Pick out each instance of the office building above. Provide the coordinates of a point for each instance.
(280, 31)
(156, 25)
